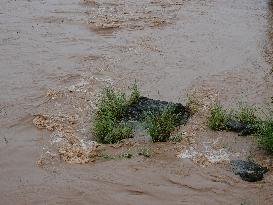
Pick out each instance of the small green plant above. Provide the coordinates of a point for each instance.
(193, 104)
(108, 130)
(262, 129)
(118, 133)
(177, 137)
(218, 117)
(246, 114)
(265, 134)
(135, 94)
(112, 103)
(107, 126)
(144, 151)
(160, 125)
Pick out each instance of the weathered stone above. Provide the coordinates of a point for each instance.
(137, 111)
(242, 128)
(247, 170)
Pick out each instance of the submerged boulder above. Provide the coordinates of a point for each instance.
(237, 126)
(137, 111)
(247, 170)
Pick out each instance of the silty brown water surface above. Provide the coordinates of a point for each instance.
(168, 47)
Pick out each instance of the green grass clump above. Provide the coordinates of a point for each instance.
(108, 130)
(262, 129)
(118, 133)
(265, 134)
(246, 114)
(177, 137)
(107, 125)
(112, 103)
(135, 94)
(193, 104)
(218, 117)
(160, 125)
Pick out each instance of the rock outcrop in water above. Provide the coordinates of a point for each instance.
(248, 171)
(242, 128)
(137, 111)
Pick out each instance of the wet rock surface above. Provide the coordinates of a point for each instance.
(247, 170)
(137, 111)
(242, 128)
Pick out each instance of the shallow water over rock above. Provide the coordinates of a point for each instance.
(248, 171)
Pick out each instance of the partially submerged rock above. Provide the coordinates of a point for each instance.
(137, 111)
(248, 171)
(242, 128)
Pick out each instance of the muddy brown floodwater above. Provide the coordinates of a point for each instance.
(55, 55)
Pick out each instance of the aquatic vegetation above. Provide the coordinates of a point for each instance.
(246, 114)
(265, 134)
(176, 137)
(245, 121)
(160, 125)
(192, 104)
(218, 117)
(108, 127)
(135, 94)
(235, 120)
(112, 103)
(116, 111)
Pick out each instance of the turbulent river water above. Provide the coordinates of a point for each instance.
(168, 46)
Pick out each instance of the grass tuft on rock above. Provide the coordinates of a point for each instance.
(110, 125)
(246, 114)
(262, 129)
(160, 125)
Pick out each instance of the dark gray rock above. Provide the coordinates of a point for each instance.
(136, 112)
(235, 126)
(247, 170)
(242, 128)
